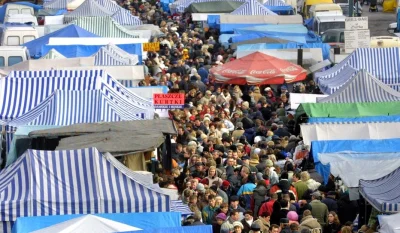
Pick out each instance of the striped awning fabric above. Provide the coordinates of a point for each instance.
(84, 181)
(252, 7)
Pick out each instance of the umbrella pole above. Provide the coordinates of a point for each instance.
(300, 55)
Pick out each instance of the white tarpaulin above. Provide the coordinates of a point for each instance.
(349, 131)
(298, 98)
(389, 223)
(88, 223)
(310, 56)
(351, 166)
(94, 41)
(202, 16)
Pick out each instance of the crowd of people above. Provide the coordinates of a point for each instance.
(238, 160)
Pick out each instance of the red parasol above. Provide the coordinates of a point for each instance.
(258, 69)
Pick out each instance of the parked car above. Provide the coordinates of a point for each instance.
(334, 37)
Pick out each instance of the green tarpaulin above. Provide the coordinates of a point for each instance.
(349, 109)
(214, 7)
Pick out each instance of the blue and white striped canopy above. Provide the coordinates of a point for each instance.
(384, 193)
(383, 63)
(252, 7)
(110, 5)
(125, 17)
(342, 76)
(111, 55)
(83, 181)
(275, 3)
(74, 107)
(21, 93)
(89, 8)
(56, 4)
(361, 88)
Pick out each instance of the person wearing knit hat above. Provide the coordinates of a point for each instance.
(220, 219)
(200, 188)
(293, 217)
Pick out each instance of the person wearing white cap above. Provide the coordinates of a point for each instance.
(237, 227)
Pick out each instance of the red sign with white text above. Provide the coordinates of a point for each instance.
(169, 101)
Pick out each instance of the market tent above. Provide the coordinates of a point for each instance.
(121, 137)
(213, 6)
(139, 220)
(73, 107)
(351, 166)
(110, 5)
(20, 94)
(389, 223)
(89, 8)
(76, 51)
(382, 63)
(348, 109)
(342, 76)
(383, 193)
(88, 223)
(56, 4)
(35, 46)
(53, 54)
(258, 69)
(104, 27)
(81, 181)
(125, 17)
(184, 229)
(354, 131)
(370, 146)
(252, 7)
(294, 37)
(362, 87)
(112, 55)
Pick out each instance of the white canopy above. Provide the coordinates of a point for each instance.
(349, 131)
(88, 223)
(354, 166)
(298, 98)
(389, 223)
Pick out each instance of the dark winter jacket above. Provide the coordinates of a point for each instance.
(259, 196)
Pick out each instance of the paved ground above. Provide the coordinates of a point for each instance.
(378, 22)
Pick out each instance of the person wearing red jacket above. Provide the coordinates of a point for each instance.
(267, 206)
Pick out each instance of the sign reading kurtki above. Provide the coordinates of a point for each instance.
(356, 23)
(151, 47)
(169, 101)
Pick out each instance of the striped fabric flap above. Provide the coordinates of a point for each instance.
(252, 7)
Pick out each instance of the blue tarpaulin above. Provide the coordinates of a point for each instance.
(273, 28)
(299, 38)
(165, 5)
(384, 145)
(230, 27)
(325, 47)
(35, 46)
(281, 10)
(139, 220)
(71, 51)
(355, 119)
(4, 7)
(213, 21)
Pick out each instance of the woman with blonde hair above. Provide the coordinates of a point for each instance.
(213, 177)
(311, 183)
